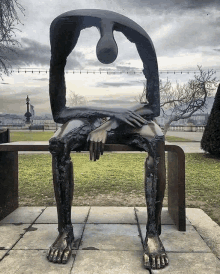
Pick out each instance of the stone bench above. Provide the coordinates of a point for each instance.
(9, 176)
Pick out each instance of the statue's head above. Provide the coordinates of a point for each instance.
(106, 49)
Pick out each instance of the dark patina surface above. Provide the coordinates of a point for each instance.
(80, 130)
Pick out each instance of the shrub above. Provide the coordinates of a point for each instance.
(211, 137)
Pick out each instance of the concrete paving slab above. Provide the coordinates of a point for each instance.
(25, 215)
(110, 247)
(207, 228)
(165, 217)
(142, 216)
(190, 263)
(180, 241)
(49, 216)
(42, 236)
(32, 262)
(10, 233)
(111, 215)
(2, 253)
(106, 262)
(111, 237)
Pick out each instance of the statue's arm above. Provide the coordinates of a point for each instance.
(148, 56)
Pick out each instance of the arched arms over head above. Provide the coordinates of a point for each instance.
(64, 33)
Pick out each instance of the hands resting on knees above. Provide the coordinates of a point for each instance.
(98, 136)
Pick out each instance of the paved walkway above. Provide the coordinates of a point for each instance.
(107, 240)
(189, 147)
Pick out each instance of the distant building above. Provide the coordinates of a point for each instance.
(18, 121)
(7, 120)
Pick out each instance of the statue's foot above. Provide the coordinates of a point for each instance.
(60, 251)
(155, 256)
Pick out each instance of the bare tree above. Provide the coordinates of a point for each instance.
(76, 99)
(182, 101)
(8, 19)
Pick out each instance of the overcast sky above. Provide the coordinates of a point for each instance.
(185, 34)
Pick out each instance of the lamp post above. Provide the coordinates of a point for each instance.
(27, 114)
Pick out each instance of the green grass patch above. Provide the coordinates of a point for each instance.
(17, 136)
(177, 139)
(202, 183)
(112, 173)
(117, 173)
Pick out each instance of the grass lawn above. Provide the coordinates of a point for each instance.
(46, 135)
(117, 180)
(16, 136)
(177, 139)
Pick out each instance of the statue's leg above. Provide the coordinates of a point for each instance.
(155, 183)
(70, 136)
(151, 139)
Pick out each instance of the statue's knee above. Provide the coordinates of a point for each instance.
(150, 162)
(68, 133)
(151, 131)
(56, 146)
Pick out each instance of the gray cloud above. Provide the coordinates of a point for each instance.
(110, 102)
(187, 34)
(119, 84)
(112, 84)
(144, 6)
(41, 79)
(126, 68)
(32, 53)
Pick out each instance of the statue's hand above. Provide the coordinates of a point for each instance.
(97, 140)
(143, 110)
(130, 117)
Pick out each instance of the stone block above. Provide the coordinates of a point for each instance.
(111, 215)
(180, 241)
(32, 262)
(49, 216)
(206, 227)
(10, 233)
(41, 236)
(190, 263)
(165, 217)
(25, 215)
(111, 237)
(2, 253)
(106, 262)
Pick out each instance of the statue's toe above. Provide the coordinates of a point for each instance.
(166, 259)
(50, 256)
(153, 262)
(66, 255)
(55, 256)
(147, 264)
(59, 257)
(158, 264)
(162, 261)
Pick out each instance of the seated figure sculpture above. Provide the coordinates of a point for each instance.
(81, 130)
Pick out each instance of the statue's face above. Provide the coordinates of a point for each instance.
(106, 49)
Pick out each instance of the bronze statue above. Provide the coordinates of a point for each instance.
(80, 131)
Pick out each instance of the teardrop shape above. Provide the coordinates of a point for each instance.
(106, 49)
